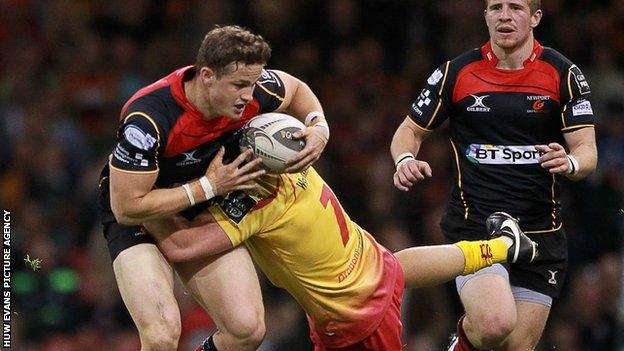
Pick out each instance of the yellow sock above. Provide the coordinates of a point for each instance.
(482, 253)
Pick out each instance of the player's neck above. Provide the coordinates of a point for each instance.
(513, 58)
(194, 96)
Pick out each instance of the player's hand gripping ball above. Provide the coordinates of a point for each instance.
(269, 136)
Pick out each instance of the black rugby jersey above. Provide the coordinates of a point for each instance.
(161, 131)
(496, 118)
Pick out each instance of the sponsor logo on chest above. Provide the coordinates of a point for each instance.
(503, 154)
(189, 159)
(538, 103)
(479, 104)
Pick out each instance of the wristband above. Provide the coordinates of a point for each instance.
(573, 165)
(402, 158)
(208, 190)
(189, 194)
(312, 116)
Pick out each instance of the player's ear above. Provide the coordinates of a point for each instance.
(206, 76)
(536, 18)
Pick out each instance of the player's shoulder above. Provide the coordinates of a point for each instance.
(157, 100)
(158, 105)
(463, 60)
(270, 90)
(466, 58)
(555, 59)
(272, 80)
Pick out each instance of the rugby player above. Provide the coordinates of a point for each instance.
(520, 118)
(169, 159)
(349, 285)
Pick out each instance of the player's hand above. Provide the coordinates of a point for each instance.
(225, 178)
(555, 158)
(411, 172)
(316, 139)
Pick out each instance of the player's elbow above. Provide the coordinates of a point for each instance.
(125, 216)
(126, 220)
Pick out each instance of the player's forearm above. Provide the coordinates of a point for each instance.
(405, 140)
(158, 203)
(587, 157)
(304, 102)
(583, 152)
(194, 243)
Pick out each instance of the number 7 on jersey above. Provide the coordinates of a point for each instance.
(326, 196)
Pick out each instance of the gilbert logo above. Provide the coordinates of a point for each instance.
(189, 159)
(552, 279)
(478, 105)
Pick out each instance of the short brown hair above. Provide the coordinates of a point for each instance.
(231, 44)
(534, 5)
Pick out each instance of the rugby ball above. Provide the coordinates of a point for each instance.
(269, 135)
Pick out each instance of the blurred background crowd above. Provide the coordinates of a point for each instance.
(67, 66)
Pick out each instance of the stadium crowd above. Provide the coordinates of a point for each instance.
(67, 67)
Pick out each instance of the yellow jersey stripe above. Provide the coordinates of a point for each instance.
(459, 180)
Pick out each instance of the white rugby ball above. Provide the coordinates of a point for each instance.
(269, 135)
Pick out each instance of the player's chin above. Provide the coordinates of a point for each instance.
(236, 114)
(506, 43)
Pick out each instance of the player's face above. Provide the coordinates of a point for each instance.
(510, 22)
(229, 94)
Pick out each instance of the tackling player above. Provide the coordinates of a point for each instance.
(169, 158)
(349, 286)
(520, 117)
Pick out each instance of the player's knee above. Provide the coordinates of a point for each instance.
(247, 331)
(160, 335)
(494, 329)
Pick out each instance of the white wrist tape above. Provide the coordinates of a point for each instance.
(189, 193)
(208, 190)
(312, 116)
(573, 165)
(402, 158)
(324, 127)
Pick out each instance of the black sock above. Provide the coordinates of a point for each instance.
(208, 344)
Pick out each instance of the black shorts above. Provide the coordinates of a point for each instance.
(120, 237)
(545, 275)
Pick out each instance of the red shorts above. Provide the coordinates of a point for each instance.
(387, 337)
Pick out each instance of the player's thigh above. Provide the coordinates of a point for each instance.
(487, 297)
(227, 286)
(532, 319)
(145, 281)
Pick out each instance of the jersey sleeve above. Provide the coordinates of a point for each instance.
(138, 142)
(576, 112)
(269, 91)
(431, 107)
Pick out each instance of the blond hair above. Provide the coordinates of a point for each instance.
(534, 5)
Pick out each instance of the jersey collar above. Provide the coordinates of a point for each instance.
(492, 60)
(177, 89)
